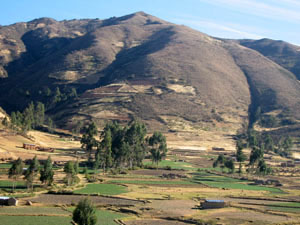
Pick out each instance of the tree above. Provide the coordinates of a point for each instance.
(16, 171)
(71, 177)
(229, 164)
(51, 125)
(287, 145)
(84, 213)
(5, 122)
(28, 118)
(104, 153)
(76, 167)
(252, 139)
(39, 114)
(47, 173)
(240, 156)
(220, 161)
(269, 144)
(256, 155)
(32, 172)
(158, 147)
(88, 141)
(135, 137)
(263, 168)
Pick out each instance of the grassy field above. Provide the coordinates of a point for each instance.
(107, 217)
(230, 183)
(286, 207)
(35, 220)
(31, 210)
(4, 184)
(103, 189)
(49, 216)
(172, 165)
(153, 182)
(5, 165)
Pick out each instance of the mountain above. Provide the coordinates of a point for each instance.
(139, 66)
(284, 54)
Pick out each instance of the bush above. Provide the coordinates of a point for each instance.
(85, 214)
(168, 168)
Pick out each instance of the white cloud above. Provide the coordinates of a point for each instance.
(286, 12)
(220, 30)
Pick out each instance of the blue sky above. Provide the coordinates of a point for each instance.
(255, 19)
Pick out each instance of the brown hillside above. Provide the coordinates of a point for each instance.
(139, 66)
(283, 53)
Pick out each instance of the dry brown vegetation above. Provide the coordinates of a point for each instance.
(169, 76)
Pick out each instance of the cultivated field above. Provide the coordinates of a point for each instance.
(169, 193)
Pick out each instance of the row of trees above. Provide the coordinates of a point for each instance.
(45, 173)
(256, 163)
(31, 173)
(32, 117)
(281, 146)
(123, 146)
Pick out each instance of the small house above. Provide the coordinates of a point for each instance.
(8, 201)
(29, 146)
(213, 204)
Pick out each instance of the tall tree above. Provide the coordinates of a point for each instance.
(135, 137)
(269, 144)
(84, 213)
(16, 171)
(88, 141)
(158, 147)
(240, 156)
(257, 154)
(229, 164)
(69, 169)
(31, 172)
(105, 152)
(47, 173)
(39, 114)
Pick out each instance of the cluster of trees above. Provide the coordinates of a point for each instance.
(32, 117)
(58, 96)
(44, 173)
(123, 146)
(224, 162)
(259, 145)
(281, 146)
(31, 173)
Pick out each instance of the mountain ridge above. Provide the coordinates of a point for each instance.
(139, 66)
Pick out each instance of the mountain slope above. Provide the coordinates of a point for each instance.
(139, 66)
(283, 53)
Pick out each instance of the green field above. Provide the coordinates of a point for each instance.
(4, 184)
(283, 209)
(31, 210)
(103, 189)
(173, 165)
(107, 217)
(230, 183)
(36, 216)
(154, 182)
(5, 165)
(286, 207)
(35, 220)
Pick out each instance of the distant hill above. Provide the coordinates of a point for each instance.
(283, 53)
(139, 66)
